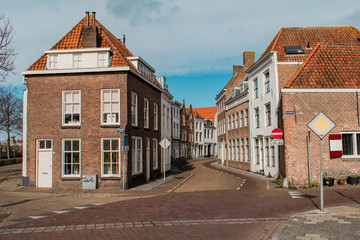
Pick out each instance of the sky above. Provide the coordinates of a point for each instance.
(193, 43)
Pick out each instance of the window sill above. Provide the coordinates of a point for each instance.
(110, 126)
(71, 126)
(71, 178)
(350, 158)
(110, 178)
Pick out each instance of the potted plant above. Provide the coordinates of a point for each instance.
(341, 177)
(328, 180)
(353, 179)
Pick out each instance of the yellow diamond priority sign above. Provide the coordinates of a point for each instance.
(321, 125)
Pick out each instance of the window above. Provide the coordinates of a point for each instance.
(102, 59)
(237, 120)
(183, 120)
(163, 117)
(351, 144)
(233, 150)
(268, 114)
(242, 150)
(110, 157)
(237, 151)
(256, 115)
(71, 107)
(53, 61)
(155, 153)
(272, 156)
(229, 122)
(246, 117)
(134, 109)
(44, 144)
(71, 157)
(267, 82)
(247, 153)
(156, 115)
(77, 60)
(257, 151)
(146, 113)
(196, 125)
(229, 151)
(256, 90)
(136, 155)
(110, 106)
(241, 118)
(200, 136)
(267, 153)
(233, 121)
(168, 124)
(294, 50)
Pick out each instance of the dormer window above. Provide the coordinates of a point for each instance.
(53, 61)
(102, 59)
(77, 60)
(291, 50)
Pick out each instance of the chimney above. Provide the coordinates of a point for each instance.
(236, 69)
(248, 58)
(90, 33)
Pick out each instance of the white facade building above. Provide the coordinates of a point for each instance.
(199, 123)
(175, 137)
(210, 139)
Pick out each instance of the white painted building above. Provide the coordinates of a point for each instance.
(175, 137)
(210, 138)
(166, 122)
(199, 123)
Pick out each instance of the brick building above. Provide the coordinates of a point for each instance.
(78, 94)
(326, 82)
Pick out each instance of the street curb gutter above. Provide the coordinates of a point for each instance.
(178, 185)
(276, 234)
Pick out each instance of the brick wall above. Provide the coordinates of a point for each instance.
(341, 108)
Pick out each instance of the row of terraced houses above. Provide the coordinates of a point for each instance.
(79, 96)
(302, 73)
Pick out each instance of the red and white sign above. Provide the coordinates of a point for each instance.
(277, 133)
(335, 145)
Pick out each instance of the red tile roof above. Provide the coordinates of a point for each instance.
(329, 66)
(301, 36)
(74, 40)
(207, 112)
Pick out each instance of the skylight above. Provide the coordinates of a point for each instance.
(294, 50)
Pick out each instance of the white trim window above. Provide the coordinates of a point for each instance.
(229, 150)
(246, 117)
(110, 106)
(237, 120)
(238, 154)
(242, 150)
(71, 107)
(257, 151)
(134, 109)
(229, 122)
(247, 149)
(137, 163)
(71, 157)
(267, 81)
(267, 151)
(233, 150)
(350, 144)
(110, 157)
(272, 156)
(233, 121)
(146, 113)
(241, 118)
(156, 116)
(77, 60)
(256, 89)
(155, 154)
(53, 61)
(268, 114)
(256, 117)
(102, 59)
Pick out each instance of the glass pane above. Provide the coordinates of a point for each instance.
(115, 157)
(106, 157)
(115, 96)
(105, 117)
(107, 169)
(68, 97)
(107, 96)
(67, 145)
(358, 143)
(67, 169)
(76, 97)
(107, 108)
(76, 117)
(76, 169)
(76, 157)
(76, 144)
(67, 118)
(115, 107)
(68, 108)
(106, 145)
(76, 108)
(347, 144)
(48, 144)
(67, 157)
(114, 144)
(115, 169)
(116, 117)
(42, 144)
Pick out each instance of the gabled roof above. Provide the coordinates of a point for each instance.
(207, 112)
(74, 40)
(329, 66)
(301, 36)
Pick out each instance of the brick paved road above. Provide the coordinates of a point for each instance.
(252, 212)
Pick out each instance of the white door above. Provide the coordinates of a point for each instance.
(147, 159)
(44, 149)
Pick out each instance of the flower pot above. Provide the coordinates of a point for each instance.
(328, 182)
(341, 181)
(353, 180)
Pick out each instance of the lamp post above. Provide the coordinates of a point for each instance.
(13, 137)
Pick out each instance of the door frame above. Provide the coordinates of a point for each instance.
(37, 160)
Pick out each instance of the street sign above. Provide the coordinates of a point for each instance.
(126, 140)
(289, 112)
(121, 130)
(277, 142)
(277, 133)
(165, 143)
(321, 125)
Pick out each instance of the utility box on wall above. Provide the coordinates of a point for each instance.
(89, 181)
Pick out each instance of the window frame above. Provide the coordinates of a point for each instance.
(53, 61)
(246, 118)
(111, 152)
(135, 169)
(134, 109)
(111, 103)
(155, 154)
(256, 88)
(268, 114)
(355, 145)
(266, 82)
(103, 58)
(64, 92)
(257, 117)
(71, 151)
(146, 113)
(77, 60)
(156, 116)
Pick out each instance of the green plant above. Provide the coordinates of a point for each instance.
(354, 175)
(279, 181)
(292, 187)
(269, 175)
(313, 185)
(304, 187)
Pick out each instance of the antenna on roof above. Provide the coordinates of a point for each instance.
(124, 39)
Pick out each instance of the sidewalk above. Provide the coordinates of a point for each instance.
(342, 222)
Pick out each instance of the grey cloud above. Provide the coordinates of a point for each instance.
(142, 11)
(352, 19)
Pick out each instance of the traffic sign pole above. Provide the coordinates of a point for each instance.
(321, 178)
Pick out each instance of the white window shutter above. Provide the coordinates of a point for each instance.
(335, 145)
